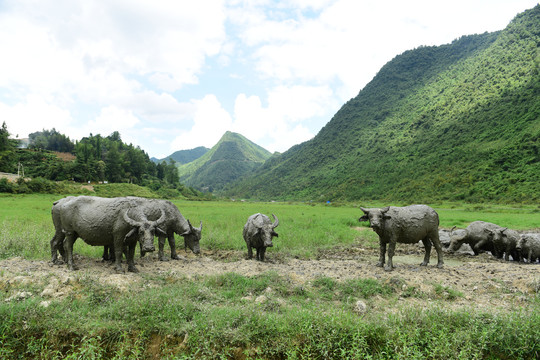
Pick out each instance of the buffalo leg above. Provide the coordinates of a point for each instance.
(437, 243)
(118, 249)
(382, 253)
(260, 253)
(161, 251)
(68, 248)
(172, 245)
(57, 245)
(427, 247)
(130, 255)
(250, 252)
(391, 251)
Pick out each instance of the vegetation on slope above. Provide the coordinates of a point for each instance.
(458, 122)
(230, 159)
(184, 156)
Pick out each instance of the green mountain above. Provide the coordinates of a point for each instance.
(232, 158)
(458, 122)
(184, 156)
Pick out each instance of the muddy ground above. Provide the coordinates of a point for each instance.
(481, 281)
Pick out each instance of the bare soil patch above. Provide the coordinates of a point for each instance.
(481, 281)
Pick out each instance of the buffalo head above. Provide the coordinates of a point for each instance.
(266, 232)
(192, 238)
(144, 229)
(376, 217)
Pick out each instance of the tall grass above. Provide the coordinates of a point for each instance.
(304, 228)
(260, 317)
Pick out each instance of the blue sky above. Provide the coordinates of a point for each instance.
(173, 75)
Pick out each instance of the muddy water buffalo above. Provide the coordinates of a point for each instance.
(407, 225)
(478, 237)
(174, 223)
(116, 222)
(258, 233)
(528, 246)
(504, 242)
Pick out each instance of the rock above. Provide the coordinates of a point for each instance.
(261, 299)
(360, 307)
(21, 295)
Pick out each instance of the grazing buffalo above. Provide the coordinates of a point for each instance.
(116, 222)
(258, 233)
(407, 225)
(174, 222)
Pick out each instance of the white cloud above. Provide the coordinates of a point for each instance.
(110, 119)
(211, 121)
(32, 115)
(278, 70)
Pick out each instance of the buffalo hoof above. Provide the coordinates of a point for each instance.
(440, 265)
(388, 268)
(163, 258)
(178, 257)
(379, 264)
(424, 264)
(133, 269)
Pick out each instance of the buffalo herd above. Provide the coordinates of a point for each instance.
(119, 224)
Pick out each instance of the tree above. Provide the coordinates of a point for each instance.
(113, 164)
(7, 150)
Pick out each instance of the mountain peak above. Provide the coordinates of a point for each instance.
(233, 157)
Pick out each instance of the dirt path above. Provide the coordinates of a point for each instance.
(482, 280)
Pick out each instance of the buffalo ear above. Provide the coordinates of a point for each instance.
(364, 217)
(130, 233)
(275, 234)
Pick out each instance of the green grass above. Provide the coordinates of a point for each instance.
(266, 316)
(219, 317)
(304, 230)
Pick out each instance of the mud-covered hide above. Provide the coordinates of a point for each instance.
(174, 223)
(115, 222)
(478, 237)
(407, 225)
(528, 246)
(258, 233)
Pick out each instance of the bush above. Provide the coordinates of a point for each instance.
(5, 186)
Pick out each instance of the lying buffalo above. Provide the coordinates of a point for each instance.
(504, 243)
(528, 247)
(478, 235)
(407, 225)
(174, 222)
(258, 233)
(116, 222)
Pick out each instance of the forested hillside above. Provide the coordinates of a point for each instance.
(52, 157)
(458, 122)
(230, 159)
(184, 156)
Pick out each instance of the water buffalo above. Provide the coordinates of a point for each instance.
(174, 223)
(504, 242)
(115, 222)
(258, 233)
(478, 238)
(528, 246)
(407, 225)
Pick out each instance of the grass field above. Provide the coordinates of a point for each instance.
(217, 316)
(25, 221)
